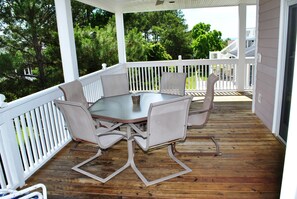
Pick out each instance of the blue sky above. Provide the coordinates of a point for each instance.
(224, 19)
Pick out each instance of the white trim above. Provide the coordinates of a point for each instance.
(11, 155)
(282, 43)
(121, 37)
(66, 39)
(241, 47)
(289, 182)
(256, 58)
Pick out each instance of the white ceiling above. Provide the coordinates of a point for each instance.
(128, 6)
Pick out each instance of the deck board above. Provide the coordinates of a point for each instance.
(250, 166)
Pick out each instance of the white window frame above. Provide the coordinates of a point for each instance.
(283, 32)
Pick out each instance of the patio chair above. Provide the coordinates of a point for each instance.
(35, 191)
(81, 127)
(199, 117)
(173, 83)
(73, 91)
(115, 84)
(166, 124)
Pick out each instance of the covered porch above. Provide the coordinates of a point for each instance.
(34, 144)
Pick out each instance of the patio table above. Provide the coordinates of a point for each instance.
(120, 109)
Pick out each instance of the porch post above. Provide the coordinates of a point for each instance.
(66, 39)
(10, 153)
(241, 68)
(121, 37)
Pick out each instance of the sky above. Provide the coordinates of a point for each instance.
(224, 19)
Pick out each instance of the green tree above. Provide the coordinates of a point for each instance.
(136, 46)
(157, 52)
(92, 46)
(27, 27)
(205, 40)
(96, 45)
(166, 27)
(29, 40)
(84, 15)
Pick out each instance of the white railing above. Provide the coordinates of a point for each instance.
(249, 74)
(145, 76)
(32, 130)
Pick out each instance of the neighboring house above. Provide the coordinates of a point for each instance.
(231, 51)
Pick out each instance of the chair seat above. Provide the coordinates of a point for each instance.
(196, 120)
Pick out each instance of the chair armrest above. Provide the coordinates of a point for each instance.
(202, 110)
(138, 131)
(108, 131)
(198, 100)
(114, 132)
(192, 112)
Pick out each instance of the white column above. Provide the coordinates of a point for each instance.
(10, 151)
(121, 37)
(256, 58)
(241, 68)
(66, 39)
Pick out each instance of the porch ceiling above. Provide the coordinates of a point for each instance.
(129, 6)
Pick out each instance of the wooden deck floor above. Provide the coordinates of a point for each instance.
(250, 166)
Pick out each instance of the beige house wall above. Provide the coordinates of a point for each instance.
(268, 37)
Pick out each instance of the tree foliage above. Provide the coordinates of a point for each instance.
(205, 40)
(29, 41)
(84, 15)
(157, 52)
(136, 46)
(166, 28)
(95, 46)
(27, 28)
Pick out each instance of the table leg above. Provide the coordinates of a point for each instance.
(131, 156)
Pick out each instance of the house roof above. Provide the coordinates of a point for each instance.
(249, 52)
(130, 6)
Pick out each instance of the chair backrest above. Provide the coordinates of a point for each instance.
(73, 91)
(167, 121)
(115, 84)
(78, 119)
(209, 95)
(173, 83)
(198, 120)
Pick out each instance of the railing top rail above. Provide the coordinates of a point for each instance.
(183, 62)
(29, 102)
(89, 77)
(250, 60)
